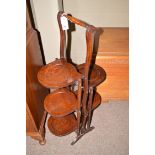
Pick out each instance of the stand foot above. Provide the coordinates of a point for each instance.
(43, 142)
(81, 135)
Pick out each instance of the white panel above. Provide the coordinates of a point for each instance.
(46, 21)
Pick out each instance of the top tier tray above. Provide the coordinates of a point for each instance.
(58, 74)
(97, 74)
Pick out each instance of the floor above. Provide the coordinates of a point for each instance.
(110, 136)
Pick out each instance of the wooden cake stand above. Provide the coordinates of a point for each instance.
(74, 98)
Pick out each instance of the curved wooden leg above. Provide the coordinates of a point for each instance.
(81, 135)
(84, 113)
(42, 142)
(40, 138)
(84, 106)
(78, 112)
(79, 106)
(90, 107)
(84, 123)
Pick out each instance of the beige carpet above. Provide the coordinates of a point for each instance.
(110, 136)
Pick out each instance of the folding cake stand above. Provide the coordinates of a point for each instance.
(71, 109)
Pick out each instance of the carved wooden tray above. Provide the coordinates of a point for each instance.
(97, 75)
(58, 74)
(63, 125)
(60, 103)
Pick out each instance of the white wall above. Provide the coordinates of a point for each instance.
(45, 14)
(107, 13)
(101, 13)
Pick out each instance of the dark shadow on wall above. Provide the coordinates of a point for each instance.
(38, 33)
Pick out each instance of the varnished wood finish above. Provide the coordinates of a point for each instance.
(62, 35)
(75, 20)
(90, 32)
(79, 94)
(96, 100)
(90, 106)
(113, 56)
(97, 74)
(114, 41)
(58, 74)
(60, 103)
(28, 22)
(30, 124)
(63, 125)
(35, 93)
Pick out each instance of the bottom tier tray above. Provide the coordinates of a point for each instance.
(63, 125)
(96, 100)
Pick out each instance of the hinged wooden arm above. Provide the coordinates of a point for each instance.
(90, 32)
(75, 20)
(89, 29)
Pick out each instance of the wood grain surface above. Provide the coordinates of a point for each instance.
(112, 55)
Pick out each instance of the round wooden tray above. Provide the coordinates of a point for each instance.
(63, 125)
(60, 103)
(96, 100)
(58, 74)
(97, 75)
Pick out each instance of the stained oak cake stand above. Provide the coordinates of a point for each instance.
(61, 103)
(64, 78)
